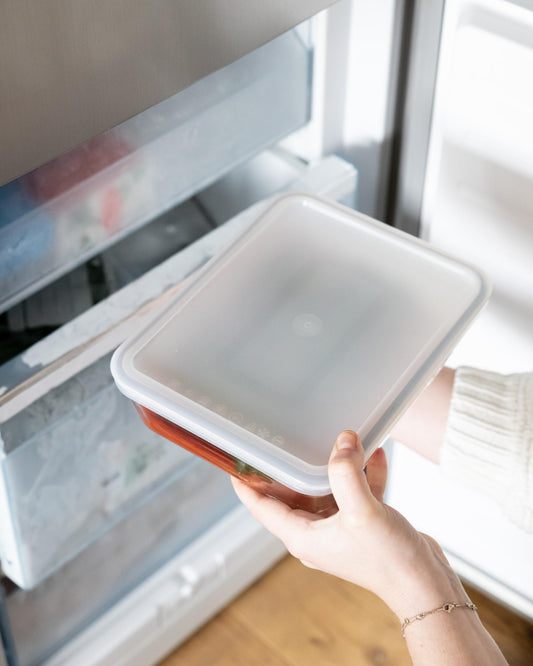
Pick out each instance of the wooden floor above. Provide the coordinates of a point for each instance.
(294, 616)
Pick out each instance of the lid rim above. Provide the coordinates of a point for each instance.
(311, 484)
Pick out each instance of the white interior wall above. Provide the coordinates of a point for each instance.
(354, 87)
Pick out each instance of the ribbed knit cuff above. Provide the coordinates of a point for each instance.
(488, 443)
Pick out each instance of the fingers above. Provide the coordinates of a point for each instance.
(357, 496)
(291, 526)
(346, 476)
(376, 473)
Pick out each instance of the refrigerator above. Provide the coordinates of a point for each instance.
(137, 142)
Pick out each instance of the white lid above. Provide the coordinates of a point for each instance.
(316, 320)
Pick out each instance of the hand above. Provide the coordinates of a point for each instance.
(368, 543)
(365, 542)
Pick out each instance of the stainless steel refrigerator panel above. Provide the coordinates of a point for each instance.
(69, 71)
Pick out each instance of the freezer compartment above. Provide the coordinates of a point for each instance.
(66, 211)
(155, 242)
(257, 480)
(173, 244)
(44, 618)
(75, 458)
(77, 291)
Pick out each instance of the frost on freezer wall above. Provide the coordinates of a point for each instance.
(86, 460)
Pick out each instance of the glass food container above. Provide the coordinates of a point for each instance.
(316, 320)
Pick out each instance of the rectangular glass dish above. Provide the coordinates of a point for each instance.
(317, 319)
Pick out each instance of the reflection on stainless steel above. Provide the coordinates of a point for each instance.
(69, 71)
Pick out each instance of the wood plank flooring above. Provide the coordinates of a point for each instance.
(294, 616)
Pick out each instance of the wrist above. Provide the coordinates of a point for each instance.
(428, 582)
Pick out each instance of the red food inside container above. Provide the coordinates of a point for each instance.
(324, 504)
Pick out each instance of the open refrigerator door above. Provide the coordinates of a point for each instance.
(475, 201)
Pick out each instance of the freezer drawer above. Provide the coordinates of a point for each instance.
(166, 608)
(83, 465)
(66, 211)
(43, 618)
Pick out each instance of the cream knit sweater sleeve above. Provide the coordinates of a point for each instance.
(488, 443)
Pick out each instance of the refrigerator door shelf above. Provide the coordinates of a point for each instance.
(477, 198)
(487, 538)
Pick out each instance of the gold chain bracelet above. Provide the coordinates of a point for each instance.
(447, 608)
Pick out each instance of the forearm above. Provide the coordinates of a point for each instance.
(479, 426)
(423, 425)
(441, 638)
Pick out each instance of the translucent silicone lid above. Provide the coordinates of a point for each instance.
(316, 320)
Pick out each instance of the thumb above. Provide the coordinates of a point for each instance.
(376, 473)
(346, 476)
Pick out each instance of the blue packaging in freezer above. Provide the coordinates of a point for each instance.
(22, 241)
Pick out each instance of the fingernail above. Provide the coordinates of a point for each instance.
(346, 440)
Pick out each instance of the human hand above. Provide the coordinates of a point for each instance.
(365, 542)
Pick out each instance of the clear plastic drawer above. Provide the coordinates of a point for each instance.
(43, 618)
(68, 210)
(83, 465)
